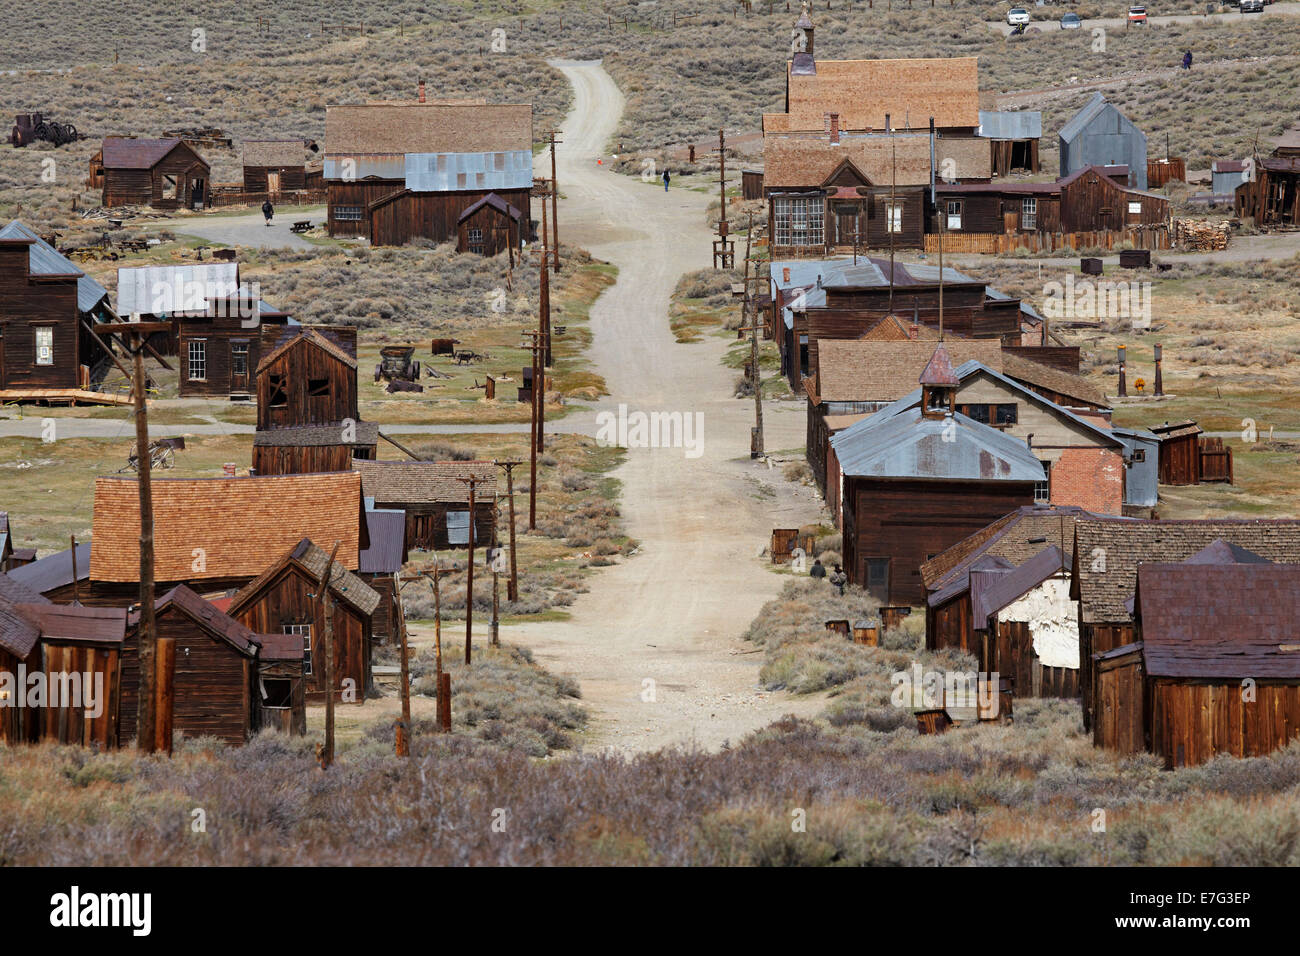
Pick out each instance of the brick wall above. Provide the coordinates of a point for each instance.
(1091, 478)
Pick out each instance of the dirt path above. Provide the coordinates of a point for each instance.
(250, 230)
(673, 614)
(1043, 23)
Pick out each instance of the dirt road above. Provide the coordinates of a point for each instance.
(1045, 21)
(250, 230)
(655, 644)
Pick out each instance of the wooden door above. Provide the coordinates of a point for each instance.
(239, 366)
(273, 182)
(1010, 222)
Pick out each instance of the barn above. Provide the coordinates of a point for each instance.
(47, 306)
(1202, 679)
(281, 600)
(1100, 135)
(435, 499)
(162, 173)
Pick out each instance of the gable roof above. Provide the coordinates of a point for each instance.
(863, 91)
(18, 634)
(124, 152)
(493, 200)
(54, 570)
(63, 623)
(850, 370)
(307, 335)
(274, 152)
(968, 369)
(44, 260)
(1016, 537)
(938, 370)
(1094, 108)
(1224, 621)
(1102, 586)
(425, 482)
(237, 522)
(344, 585)
(805, 162)
(217, 623)
(413, 127)
(991, 594)
(1029, 372)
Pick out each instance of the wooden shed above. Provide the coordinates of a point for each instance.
(435, 499)
(20, 638)
(275, 166)
(751, 183)
(47, 305)
(281, 600)
(489, 226)
(1180, 452)
(162, 173)
(59, 576)
(1272, 198)
(1092, 201)
(380, 566)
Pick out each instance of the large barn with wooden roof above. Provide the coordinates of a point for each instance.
(397, 171)
(162, 173)
(214, 534)
(435, 499)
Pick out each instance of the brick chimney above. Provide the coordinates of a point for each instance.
(785, 274)
(421, 90)
(835, 129)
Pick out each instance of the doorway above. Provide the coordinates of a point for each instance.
(273, 183)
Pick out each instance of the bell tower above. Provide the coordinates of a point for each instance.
(938, 385)
(801, 37)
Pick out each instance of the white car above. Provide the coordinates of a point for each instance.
(1018, 17)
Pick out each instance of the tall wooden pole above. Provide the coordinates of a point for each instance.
(146, 706)
(443, 680)
(534, 441)
(326, 608)
(512, 585)
(472, 481)
(76, 595)
(756, 451)
(893, 204)
(544, 322)
(403, 735)
(555, 198)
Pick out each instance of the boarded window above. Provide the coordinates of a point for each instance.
(305, 631)
(198, 360)
(458, 527)
(279, 396)
(318, 387)
(238, 358)
(44, 344)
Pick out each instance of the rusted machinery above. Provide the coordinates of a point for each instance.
(30, 127)
(397, 363)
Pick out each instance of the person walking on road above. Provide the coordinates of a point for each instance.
(666, 178)
(839, 578)
(818, 570)
(268, 211)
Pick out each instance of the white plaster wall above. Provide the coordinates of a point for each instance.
(1053, 622)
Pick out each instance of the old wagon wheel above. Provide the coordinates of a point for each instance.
(165, 457)
(379, 372)
(70, 132)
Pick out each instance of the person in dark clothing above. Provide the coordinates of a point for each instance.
(817, 570)
(839, 578)
(1187, 60)
(268, 211)
(666, 178)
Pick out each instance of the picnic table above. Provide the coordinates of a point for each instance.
(301, 225)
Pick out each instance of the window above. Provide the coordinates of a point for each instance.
(318, 387)
(954, 214)
(1005, 414)
(169, 189)
(878, 578)
(1139, 454)
(305, 631)
(347, 213)
(458, 527)
(238, 358)
(894, 212)
(799, 220)
(1135, 209)
(198, 360)
(44, 345)
(1029, 214)
(1043, 489)
(279, 396)
(474, 238)
(277, 693)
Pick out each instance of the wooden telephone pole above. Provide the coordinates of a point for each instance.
(402, 743)
(750, 319)
(544, 295)
(133, 336)
(325, 613)
(724, 255)
(512, 586)
(538, 426)
(442, 678)
(472, 481)
(555, 198)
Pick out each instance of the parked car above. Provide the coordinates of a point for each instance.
(1070, 21)
(1252, 6)
(1018, 17)
(1137, 14)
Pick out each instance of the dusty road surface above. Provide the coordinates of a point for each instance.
(655, 643)
(250, 230)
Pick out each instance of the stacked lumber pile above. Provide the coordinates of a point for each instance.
(1200, 236)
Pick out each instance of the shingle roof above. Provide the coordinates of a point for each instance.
(43, 259)
(237, 522)
(425, 482)
(215, 622)
(54, 570)
(18, 634)
(1053, 379)
(863, 91)
(308, 335)
(872, 371)
(344, 585)
(1107, 552)
(399, 128)
(1016, 537)
(805, 162)
(304, 436)
(274, 152)
(1220, 621)
(121, 152)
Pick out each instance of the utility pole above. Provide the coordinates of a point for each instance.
(403, 730)
(748, 316)
(472, 481)
(512, 586)
(443, 680)
(555, 198)
(723, 256)
(325, 608)
(893, 205)
(134, 338)
(544, 299)
(537, 428)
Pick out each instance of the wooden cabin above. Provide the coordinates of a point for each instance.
(281, 601)
(490, 226)
(282, 684)
(161, 173)
(1107, 552)
(59, 576)
(1180, 452)
(1203, 679)
(919, 478)
(1272, 198)
(380, 566)
(276, 166)
(307, 418)
(214, 534)
(441, 156)
(20, 638)
(1092, 201)
(435, 499)
(1013, 137)
(47, 305)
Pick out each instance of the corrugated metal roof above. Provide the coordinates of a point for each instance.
(1011, 124)
(443, 172)
(387, 551)
(159, 290)
(365, 166)
(44, 260)
(1090, 111)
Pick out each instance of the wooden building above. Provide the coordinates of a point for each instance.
(919, 478)
(214, 534)
(442, 157)
(276, 166)
(435, 499)
(220, 349)
(1013, 137)
(1180, 452)
(1100, 135)
(281, 601)
(1272, 198)
(47, 308)
(20, 639)
(381, 565)
(1107, 552)
(59, 576)
(162, 173)
(490, 226)
(1203, 679)
(175, 293)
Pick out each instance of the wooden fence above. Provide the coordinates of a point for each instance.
(1216, 460)
(992, 243)
(300, 197)
(1161, 171)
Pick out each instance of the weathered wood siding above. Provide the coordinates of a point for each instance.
(302, 459)
(1094, 201)
(498, 232)
(26, 304)
(1120, 704)
(144, 187)
(1193, 720)
(1096, 639)
(1012, 655)
(291, 178)
(319, 389)
(433, 215)
(72, 725)
(426, 524)
(358, 194)
(1180, 460)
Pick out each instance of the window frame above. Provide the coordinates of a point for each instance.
(39, 332)
(1029, 212)
(949, 205)
(306, 643)
(239, 353)
(347, 213)
(201, 362)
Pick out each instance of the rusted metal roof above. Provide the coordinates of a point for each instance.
(387, 552)
(66, 623)
(938, 371)
(444, 172)
(280, 647)
(121, 152)
(958, 585)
